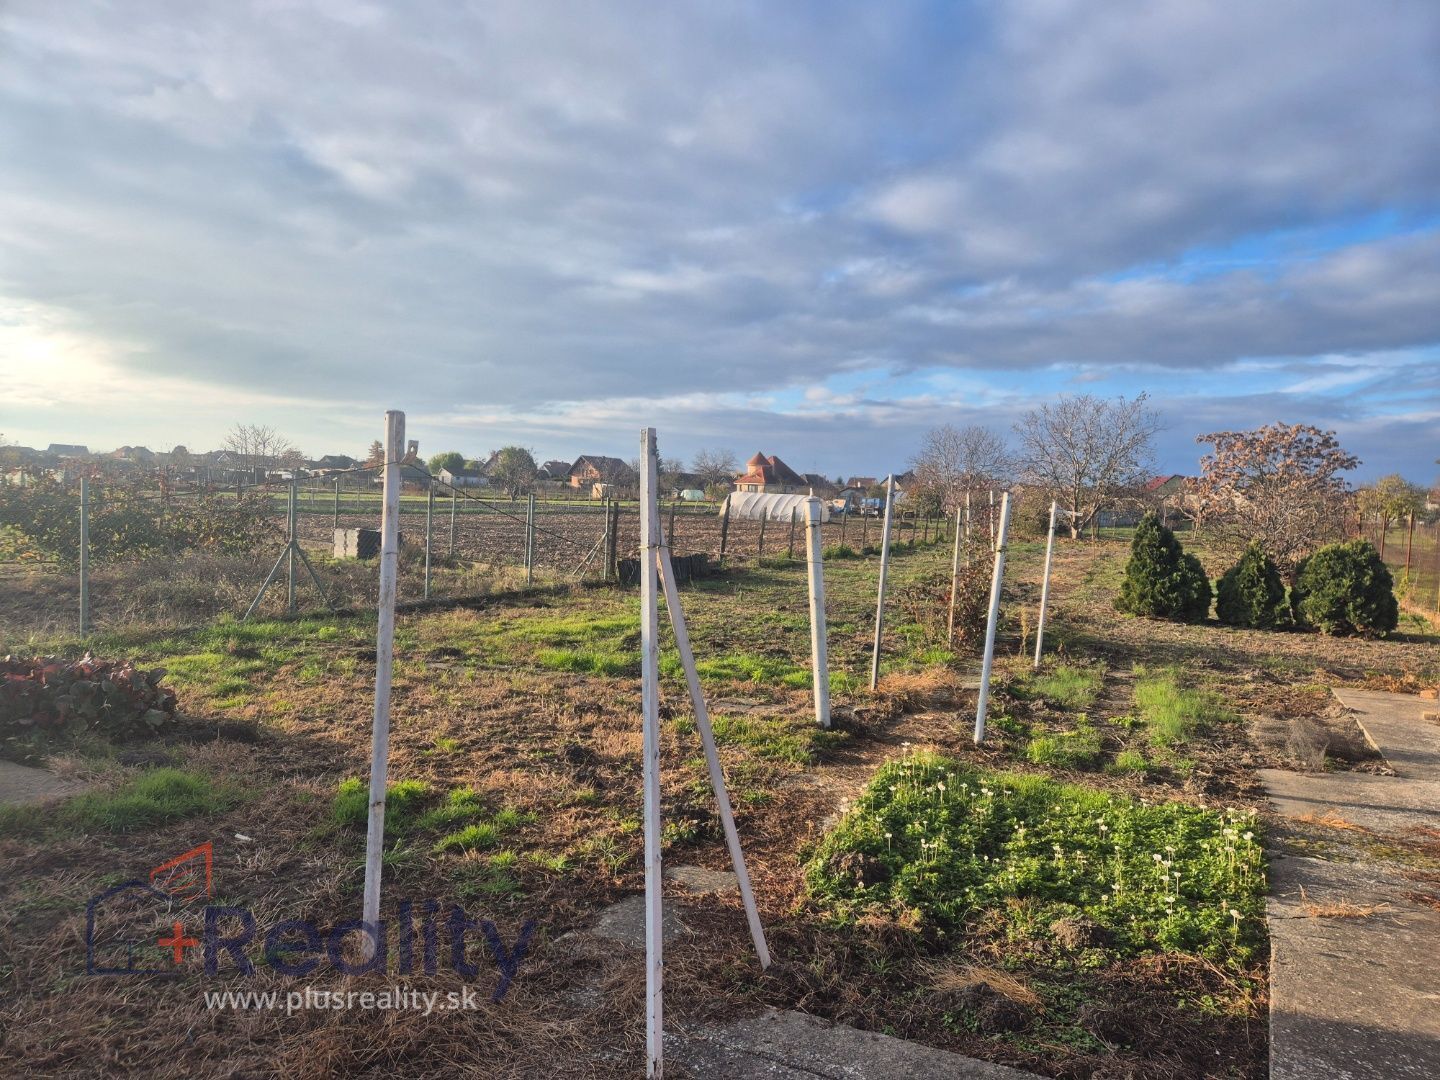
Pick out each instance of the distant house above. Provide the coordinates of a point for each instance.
(820, 486)
(462, 478)
(770, 476)
(1165, 488)
(591, 469)
(861, 483)
(66, 450)
(135, 455)
(332, 463)
(555, 471)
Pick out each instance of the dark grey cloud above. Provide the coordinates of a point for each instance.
(513, 204)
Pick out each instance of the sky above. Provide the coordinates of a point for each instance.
(813, 228)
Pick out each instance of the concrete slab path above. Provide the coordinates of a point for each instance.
(26, 786)
(1355, 959)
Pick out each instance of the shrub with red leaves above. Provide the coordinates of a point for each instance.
(49, 695)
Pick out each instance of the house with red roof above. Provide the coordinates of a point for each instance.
(769, 475)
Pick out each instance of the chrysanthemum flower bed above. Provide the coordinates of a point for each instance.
(933, 842)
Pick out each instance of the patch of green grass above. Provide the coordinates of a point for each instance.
(589, 661)
(152, 798)
(937, 843)
(402, 803)
(445, 745)
(1068, 686)
(461, 805)
(795, 741)
(1076, 749)
(476, 837)
(1173, 714)
(742, 667)
(1129, 761)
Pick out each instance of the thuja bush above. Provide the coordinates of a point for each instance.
(44, 696)
(1251, 593)
(932, 843)
(1161, 579)
(1346, 589)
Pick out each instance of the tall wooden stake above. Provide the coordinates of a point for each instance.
(530, 540)
(384, 667)
(429, 532)
(1045, 586)
(884, 569)
(996, 578)
(650, 712)
(815, 571)
(454, 499)
(290, 549)
(724, 529)
(954, 580)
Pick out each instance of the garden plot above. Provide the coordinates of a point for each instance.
(515, 755)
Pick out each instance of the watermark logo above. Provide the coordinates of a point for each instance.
(153, 928)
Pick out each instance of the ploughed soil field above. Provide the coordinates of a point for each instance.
(1080, 896)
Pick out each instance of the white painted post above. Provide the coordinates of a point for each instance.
(429, 531)
(992, 517)
(815, 570)
(454, 498)
(995, 581)
(650, 714)
(954, 580)
(84, 555)
(967, 528)
(884, 569)
(712, 755)
(1045, 586)
(384, 666)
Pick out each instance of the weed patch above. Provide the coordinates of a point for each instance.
(1172, 714)
(153, 798)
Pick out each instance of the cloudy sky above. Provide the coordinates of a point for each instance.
(814, 228)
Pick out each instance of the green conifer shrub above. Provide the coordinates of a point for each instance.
(1346, 589)
(1161, 580)
(1251, 593)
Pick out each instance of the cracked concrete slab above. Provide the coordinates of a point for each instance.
(783, 1045)
(23, 785)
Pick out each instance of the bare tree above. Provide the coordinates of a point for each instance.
(1278, 484)
(715, 466)
(512, 469)
(953, 461)
(258, 446)
(1088, 452)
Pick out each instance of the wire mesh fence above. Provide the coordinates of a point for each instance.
(164, 555)
(1412, 551)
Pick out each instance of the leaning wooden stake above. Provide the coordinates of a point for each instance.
(815, 570)
(650, 714)
(712, 756)
(884, 569)
(1045, 586)
(995, 581)
(429, 532)
(384, 665)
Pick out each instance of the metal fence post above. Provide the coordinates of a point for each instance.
(454, 498)
(84, 556)
(290, 564)
(996, 579)
(429, 531)
(530, 540)
(724, 528)
(337, 504)
(790, 550)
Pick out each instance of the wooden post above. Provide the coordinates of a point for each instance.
(1409, 545)
(815, 571)
(290, 568)
(530, 540)
(712, 755)
(337, 504)
(967, 528)
(991, 515)
(880, 593)
(864, 530)
(670, 529)
(650, 717)
(454, 500)
(1045, 586)
(84, 555)
(790, 548)
(429, 532)
(996, 578)
(844, 517)
(384, 666)
(760, 545)
(926, 538)
(954, 580)
(724, 527)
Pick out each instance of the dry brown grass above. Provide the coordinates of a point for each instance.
(1339, 909)
(1330, 820)
(957, 975)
